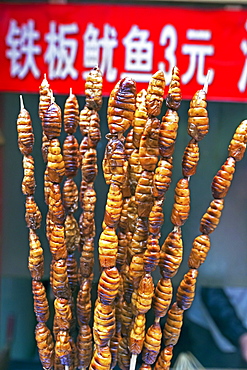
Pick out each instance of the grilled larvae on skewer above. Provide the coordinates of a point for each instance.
(137, 334)
(144, 194)
(104, 323)
(162, 297)
(155, 94)
(71, 114)
(89, 167)
(41, 307)
(174, 97)
(55, 162)
(84, 346)
(171, 254)
(108, 285)
(28, 182)
(186, 290)
(211, 218)
(140, 117)
(181, 206)
(142, 300)
(121, 106)
(152, 254)
(237, 146)
(87, 257)
(63, 348)
(70, 196)
(113, 206)
(190, 158)
(94, 134)
(222, 180)
(45, 95)
(93, 89)
(168, 133)
(199, 251)
(149, 145)
(108, 244)
(156, 219)
(33, 216)
(173, 325)
(52, 123)
(36, 256)
(59, 279)
(63, 313)
(101, 358)
(152, 344)
(162, 177)
(25, 131)
(164, 359)
(71, 155)
(55, 205)
(84, 303)
(198, 122)
(72, 233)
(138, 241)
(45, 345)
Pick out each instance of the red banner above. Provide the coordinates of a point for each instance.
(66, 41)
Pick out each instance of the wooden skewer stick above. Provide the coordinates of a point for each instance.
(133, 362)
(205, 87)
(70, 91)
(21, 102)
(66, 367)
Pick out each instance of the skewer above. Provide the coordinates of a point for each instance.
(133, 362)
(205, 87)
(21, 102)
(66, 367)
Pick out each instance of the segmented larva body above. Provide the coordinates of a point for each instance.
(174, 97)
(71, 155)
(25, 132)
(164, 359)
(28, 182)
(211, 218)
(198, 122)
(190, 158)
(128, 287)
(84, 304)
(55, 205)
(152, 254)
(173, 325)
(124, 354)
(47, 186)
(162, 297)
(144, 194)
(162, 177)
(55, 162)
(104, 323)
(87, 257)
(113, 206)
(137, 334)
(72, 271)
(152, 344)
(108, 244)
(36, 256)
(140, 117)
(70, 195)
(84, 346)
(45, 95)
(186, 289)
(93, 89)
(237, 146)
(145, 367)
(223, 179)
(122, 250)
(168, 133)
(45, 147)
(171, 254)
(115, 163)
(128, 144)
(94, 134)
(57, 242)
(126, 317)
(59, 279)
(155, 94)
(87, 224)
(114, 343)
(71, 114)
(33, 216)
(135, 170)
(121, 106)
(40, 302)
(45, 345)
(155, 219)
(139, 238)
(52, 123)
(144, 294)
(181, 206)
(132, 214)
(136, 269)
(84, 120)
(89, 167)
(88, 200)
(72, 233)
(199, 251)
(101, 358)
(123, 222)
(108, 285)
(63, 348)
(149, 144)
(63, 313)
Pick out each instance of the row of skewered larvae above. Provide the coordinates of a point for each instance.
(201, 244)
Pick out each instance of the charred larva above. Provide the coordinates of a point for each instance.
(52, 123)
(72, 271)
(70, 195)
(71, 155)
(237, 146)
(223, 179)
(186, 289)
(121, 106)
(149, 145)
(199, 251)
(72, 233)
(198, 122)
(89, 167)
(45, 345)
(93, 89)
(211, 218)
(87, 257)
(181, 206)
(174, 97)
(71, 114)
(168, 133)
(25, 131)
(190, 158)
(138, 240)
(155, 93)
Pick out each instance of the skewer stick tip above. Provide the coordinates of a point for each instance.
(66, 367)
(133, 362)
(21, 102)
(70, 92)
(205, 87)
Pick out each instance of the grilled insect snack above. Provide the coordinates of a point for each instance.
(71, 114)
(25, 131)
(93, 89)
(155, 94)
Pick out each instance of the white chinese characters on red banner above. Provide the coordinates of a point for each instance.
(65, 42)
